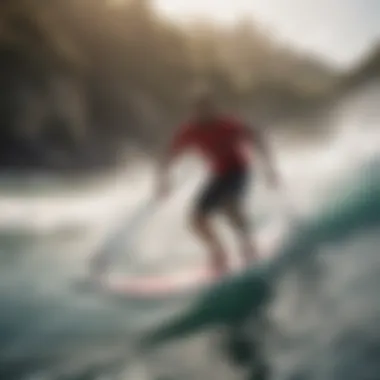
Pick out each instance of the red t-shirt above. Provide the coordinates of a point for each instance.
(220, 142)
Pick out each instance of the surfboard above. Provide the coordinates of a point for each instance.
(159, 285)
(153, 285)
(150, 286)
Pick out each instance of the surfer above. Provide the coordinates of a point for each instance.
(221, 140)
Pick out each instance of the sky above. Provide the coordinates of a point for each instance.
(339, 31)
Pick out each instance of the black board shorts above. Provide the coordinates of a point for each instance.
(221, 189)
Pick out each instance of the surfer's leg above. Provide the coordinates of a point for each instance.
(202, 225)
(234, 210)
(239, 222)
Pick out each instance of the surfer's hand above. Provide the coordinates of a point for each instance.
(273, 180)
(163, 191)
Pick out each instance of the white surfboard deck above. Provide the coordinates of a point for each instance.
(156, 285)
(151, 286)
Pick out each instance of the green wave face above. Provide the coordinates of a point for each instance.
(313, 312)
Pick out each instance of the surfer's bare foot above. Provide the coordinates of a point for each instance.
(219, 265)
(249, 253)
(217, 273)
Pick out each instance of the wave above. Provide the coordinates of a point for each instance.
(311, 312)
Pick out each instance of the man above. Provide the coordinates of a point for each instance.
(221, 141)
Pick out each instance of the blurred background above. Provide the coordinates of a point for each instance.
(91, 91)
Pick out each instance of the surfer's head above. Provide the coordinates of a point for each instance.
(204, 106)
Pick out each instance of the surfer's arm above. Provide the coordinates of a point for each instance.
(178, 144)
(261, 145)
(163, 173)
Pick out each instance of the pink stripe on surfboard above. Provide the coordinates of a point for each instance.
(159, 284)
(164, 284)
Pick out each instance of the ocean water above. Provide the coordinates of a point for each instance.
(318, 319)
